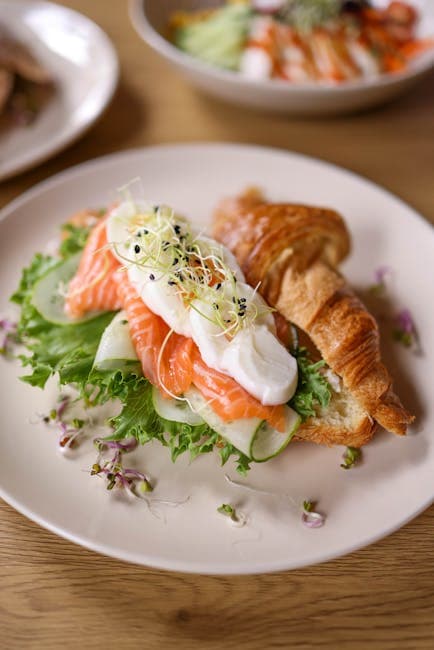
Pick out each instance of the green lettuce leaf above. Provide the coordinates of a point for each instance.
(313, 389)
(68, 350)
(74, 238)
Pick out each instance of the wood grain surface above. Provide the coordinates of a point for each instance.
(56, 595)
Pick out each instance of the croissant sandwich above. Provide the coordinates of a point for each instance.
(292, 253)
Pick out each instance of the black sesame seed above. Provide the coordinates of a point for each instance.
(152, 276)
(177, 229)
(137, 248)
(175, 261)
(171, 282)
(218, 286)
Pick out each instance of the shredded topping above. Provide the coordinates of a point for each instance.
(162, 244)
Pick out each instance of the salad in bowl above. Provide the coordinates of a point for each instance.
(297, 41)
(306, 57)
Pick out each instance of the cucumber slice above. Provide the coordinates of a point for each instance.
(174, 410)
(47, 295)
(268, 442)
(116, 348)
(252, 436)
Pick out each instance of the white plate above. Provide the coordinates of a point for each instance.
(84, 65)
(151, 19)
(395, 481)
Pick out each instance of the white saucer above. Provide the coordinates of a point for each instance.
(85, 68)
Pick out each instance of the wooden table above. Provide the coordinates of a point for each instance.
(56, 595)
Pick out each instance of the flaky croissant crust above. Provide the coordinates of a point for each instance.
(292, 250)
(267, 234)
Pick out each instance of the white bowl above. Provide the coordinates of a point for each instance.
(150, 18)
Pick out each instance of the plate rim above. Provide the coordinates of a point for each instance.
(46, 183)
(109, 91)
(180, 565)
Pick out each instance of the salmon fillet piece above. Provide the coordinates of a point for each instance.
(165, 358)
(94, 288)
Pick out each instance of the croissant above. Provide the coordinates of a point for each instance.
(293, 252)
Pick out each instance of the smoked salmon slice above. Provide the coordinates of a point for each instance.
(165, 357)
(93, 288)
(228, 399)
(179, 364)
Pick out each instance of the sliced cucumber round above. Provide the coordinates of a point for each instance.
(116, 348)
(49, 293)
(174, 410)
(268, 442)
(252, 436)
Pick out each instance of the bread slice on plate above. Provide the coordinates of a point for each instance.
(292, 252)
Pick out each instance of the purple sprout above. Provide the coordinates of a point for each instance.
(405, 329)
(381, 276)
(112, 469)
(405, 321)
(10, 336)
(130, 445)
(68, 431)
(310, 518)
